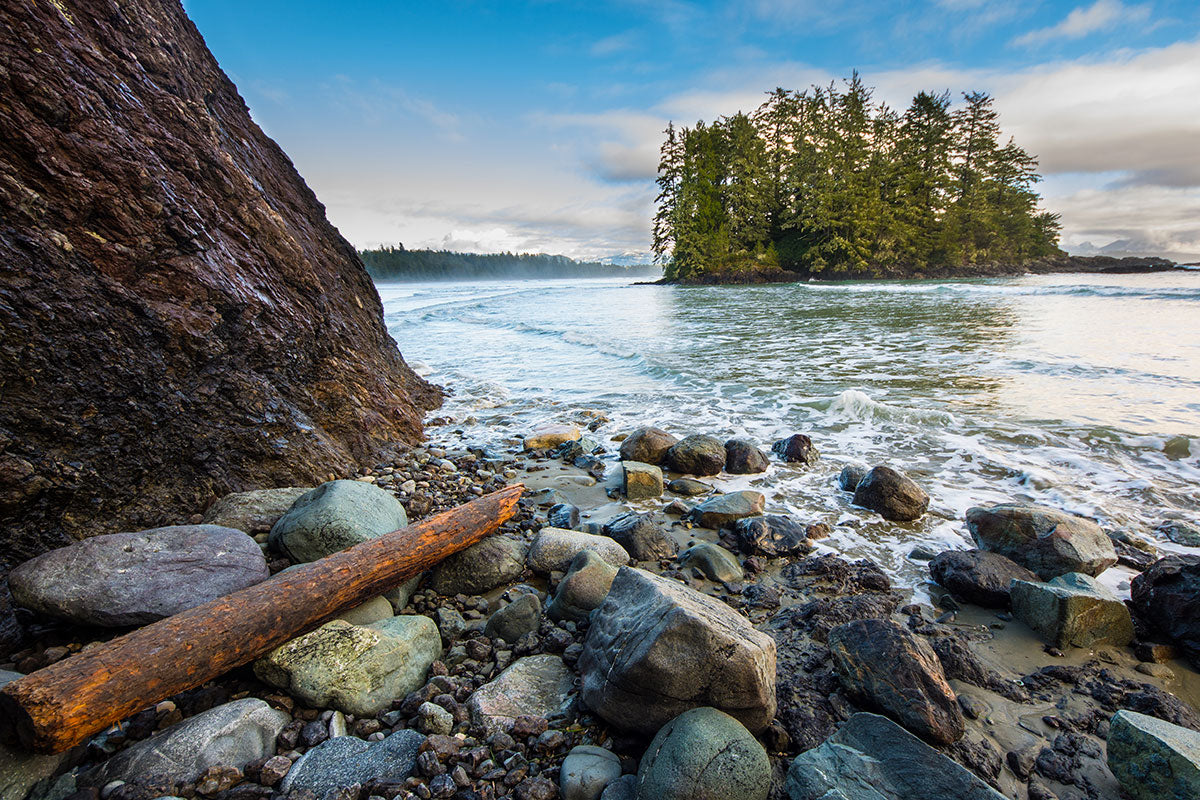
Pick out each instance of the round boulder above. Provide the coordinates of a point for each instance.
(334, 516)
(641, 537)
(254, 511)
(743, 458)
(697, 455)
(704, 754)
(894, 496)
(483, 566)
(796, 449)
(1045, 540)
(647, 445)
(586, 771)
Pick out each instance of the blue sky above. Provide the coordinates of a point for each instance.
(534, 126)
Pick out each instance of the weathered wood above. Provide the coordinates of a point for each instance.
(62, 705)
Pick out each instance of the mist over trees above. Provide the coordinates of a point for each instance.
(399, 264)
(826, 180)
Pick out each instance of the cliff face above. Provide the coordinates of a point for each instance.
(178, 319)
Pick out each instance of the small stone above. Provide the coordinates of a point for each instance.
(1161, 671)
(689, 487)
(540, 685)
(717, 563)
(274, 770)
(218, 779)
(583, 588)
(586, 771)
(450, 624)
(851, 475)
(563, 515)
(516, 619)
(433, 719)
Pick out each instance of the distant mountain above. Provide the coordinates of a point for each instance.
(1125, 248)
(630, 259)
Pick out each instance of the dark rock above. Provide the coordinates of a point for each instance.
(1047, 541)
(697, 455)
(1166, 600)
(563, 515)
(978, 576)
(851, 476)
(796, 449)
(689, 487)
(715, 562)
(743, 458)
(641, 537)
(1132, 551)
(647, 445)
(1179, 532)
(346, 760)
(516, 619)
(1072, 610)
(1153, 759)
(893, 495)
(334, 516)
(960, 663)
(1178, 447)
(495, 561)
(704, 754)
(772, 536)
(723, 510)
(583, 588)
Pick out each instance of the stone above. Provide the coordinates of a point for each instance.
(356, 669)
(450, 624)
(20, 769)
(122, 579)
(978, 576)
(376, 609)
(1166, 600)
(743, 458)
(586, 771)
(1072, 610)
(254, 511)
(433, 720)
(1179, 532)
(334, 516)
(493, 562)
(689, 487)
(641, 481)
(873, 758)
(893, 495)
(647, 445)
(641, 537)
(583, 588)
(553, 549)
(1044, 540)
(717, 563)
(332, 766)
(1177, 447)
(885, 666)
(656, 648)
(723, 510)
(516, 619)
(1132, 551)
(563, 515)
(232, 735)
(400, 596)
(704, 754)
(1153, 759)
(851, 476)
(552, 436)
(697, 455)
(539, 686)
(772, 536)
(623, 788)
(796, 449)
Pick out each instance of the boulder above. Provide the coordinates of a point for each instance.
(623, 788)
(723, 510)
(536, 686)
(122, 579)
(978, 576)
(704, 754)
(254, 511)
(334, 516)
(715, 562)
(657, 648)
(1179, 532)
(483, 566)
(20, 769)
(586, 771)
(689, 487)
(647, 445)
(1166, 600)
(1153, 759)
(772, 536)
(552, 436)
(229, 735)
(563, 515)
(641, 537)
(851, 476)
(553, 549)
(886, 666)
(516, 619)
(1072, 610)
(796, 449)
(873, 758)
(583, 589)
(1132, 550)
(892, 495)
(331, 767)
(697, 455)
(743, 458)
(641, 481)
(1047, 541)
(357, 669)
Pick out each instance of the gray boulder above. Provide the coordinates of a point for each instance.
(851, 476)
(723, 510)
(714, 561)
(704, 754)
(641, 481)
(1166, 600)
(516, 619)
(583, 589)
(772, 536)
(689, 487)
(553, 549)
(796, 449)
(334, 516)
(376, 609)
(893, 495)
(623, 788)
(254, 511)
(641, 537)
(587, 771)
(657, 648)
(1153, 759)
(400, 596)
(647, 445)
(336, 764)
(231, 735)
(978, 576)
(873, 758)
(495, 561)
(1072, 610)
(743, 458)
(538, 686)
(1047, 541)
(125, 579)
(697, 455)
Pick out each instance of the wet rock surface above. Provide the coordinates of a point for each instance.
(1046, 541)
(894, 495)
(647, 445)
(744, 458)
(978, 576)
(772, 536)
(723, 510)
(1166, 600)
(704, 754)
(697, 454)
(796, 449)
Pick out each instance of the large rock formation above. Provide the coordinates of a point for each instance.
(178, 319)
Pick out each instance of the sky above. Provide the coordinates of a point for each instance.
(534, 125)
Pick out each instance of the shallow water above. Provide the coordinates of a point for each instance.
(1055, 389)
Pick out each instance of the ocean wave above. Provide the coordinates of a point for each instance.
(856, 404)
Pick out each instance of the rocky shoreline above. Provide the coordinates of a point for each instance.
(635, 633)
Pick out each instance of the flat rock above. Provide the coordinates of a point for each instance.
(516, 619)
(338, 763)
(657, 648)
(483, 566)
(978, 576)
(583, 588)
(642, 537)
(723, 510)
(586, 772)
(689, 487)
(357, 669)
(1072, 610)
(893, 495)
(552, 436)
(334, 516)
(796, 449)
(873, 758)
(553, 549)
(1044, 540)
(772, 536)
(641, 481)
(697, 454)
(647, 445)
(254, 511)
(704, 754)
(537, 686)
(125, 579)
(743, 458)
(717, 563)
(883, 664)
(1153, 759)
(1166, 599)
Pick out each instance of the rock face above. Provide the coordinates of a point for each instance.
(743, 458)
(334, 516)
(772, 536)
(978, 576)
(1166, 599)
(894, 496)
(885, 665)
(1072, 610)
(796, 449)
(254, 511)
(657, 648)
(1047, 541)
(1153, 759)
(553, 549)
(647, 445)
(335, 764)
(135, 578)
(704, 754)
(538, 686)
(179, 319)
(697, 455)
(725, 509)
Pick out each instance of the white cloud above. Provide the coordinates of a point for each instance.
(1099, 16)
(611, 45)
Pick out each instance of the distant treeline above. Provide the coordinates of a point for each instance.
(399, 264)
(830, 181)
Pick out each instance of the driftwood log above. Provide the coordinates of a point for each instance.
(60, 706)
